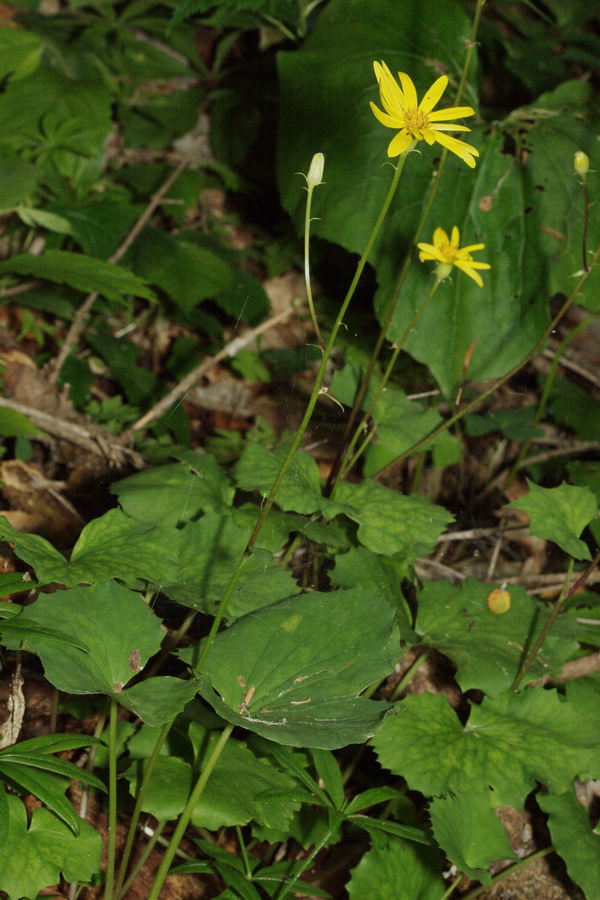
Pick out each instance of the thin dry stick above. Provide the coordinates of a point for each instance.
(230, 349)
(82, 314)
(98, 442)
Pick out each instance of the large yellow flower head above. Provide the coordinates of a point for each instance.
(447, 253)
(415, 121)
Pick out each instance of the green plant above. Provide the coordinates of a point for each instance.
(290, 671)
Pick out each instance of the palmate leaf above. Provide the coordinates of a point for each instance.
(35, 857)
(470, 833)
(560, 514)
(488, 648)
(296, 678)
(397, 870)
(508, 745)
(574, 840)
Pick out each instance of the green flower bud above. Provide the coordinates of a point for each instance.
(443, 270)
(315, 173)
(581, 163)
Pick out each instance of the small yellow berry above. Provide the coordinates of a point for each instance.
(498, 601)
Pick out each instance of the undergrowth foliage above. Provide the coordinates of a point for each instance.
(270, 705)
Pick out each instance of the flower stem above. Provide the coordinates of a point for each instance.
(149, 769)
(187, 813)
(266, 506)
(530, 658)
(347, 461)
(309, 295)
(112, 801)
(494, 387)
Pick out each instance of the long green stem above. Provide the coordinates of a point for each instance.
(187, 813)
(317, 389)
(140, 863)
(348, 461)
(435, 183)
(112, 801)
(149, 769)
(307, 282)
(531, 656)
(419, 445)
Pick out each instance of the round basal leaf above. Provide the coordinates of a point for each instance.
(390, 523)
(300, 666)
(158, 700)
(118, 627)
(508, 744)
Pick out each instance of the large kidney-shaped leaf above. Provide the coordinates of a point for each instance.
(488, 648)
(120, 629)
(293, 671)
(34, 858)
(508, 744)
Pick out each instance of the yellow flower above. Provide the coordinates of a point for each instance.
(415, 121)
(447, 253)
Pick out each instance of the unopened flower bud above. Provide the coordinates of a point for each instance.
(315, 173)
(581, 163)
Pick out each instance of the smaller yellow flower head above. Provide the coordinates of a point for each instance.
(415, 121)
(447, 253)
(581, 163)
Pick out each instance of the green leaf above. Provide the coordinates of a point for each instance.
(231, 794)
(328, 770)
(112, 546)
(508, 744)
(158, 700)
(84, 273)
(397, 870)
(300, 489)
(390, 523)
(35, 858)
(209, 552)
(174, 494)
(44, 219)
(18, 178)
(470, 834)
(574, 840)
(122, 632)
(296, 679)
(19, 627)
(488, 648)
(187, 273)
(560, 514)
(20, 52)
(15, 424)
